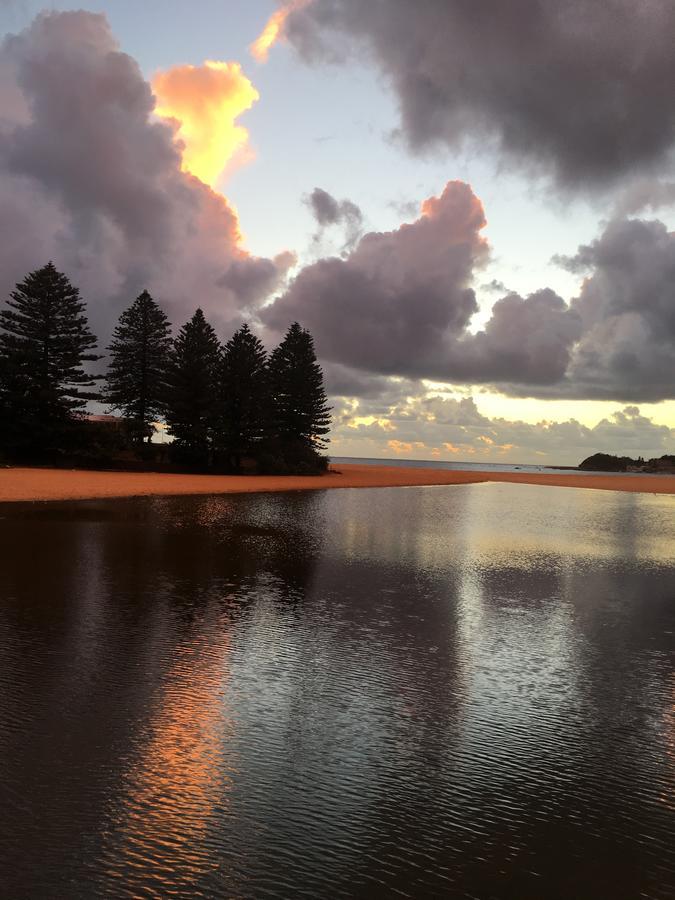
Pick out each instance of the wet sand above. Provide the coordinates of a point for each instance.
(21, 484)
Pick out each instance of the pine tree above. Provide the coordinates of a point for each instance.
(44, 342)
(136, 379)
(301, 414)
(6, 423)
(192, 390)
(244, 406)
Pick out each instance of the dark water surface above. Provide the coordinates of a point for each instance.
(424, 692)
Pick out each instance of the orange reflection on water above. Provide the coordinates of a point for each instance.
(180, 772)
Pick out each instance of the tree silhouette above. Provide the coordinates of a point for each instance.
(300, 412)
(136, 379)
(221, 403)
(16, 428)
(44, 342)
(192, 390)
(244, 407)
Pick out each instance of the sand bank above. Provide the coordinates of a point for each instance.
(19, 484)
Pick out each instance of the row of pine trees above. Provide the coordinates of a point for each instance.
(223, 405)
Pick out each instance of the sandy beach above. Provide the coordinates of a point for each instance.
(27, 484)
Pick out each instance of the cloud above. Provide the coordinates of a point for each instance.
(578, 88)
(206, 101)
(328, 211)
(627, 350)
(92, 179)
(527, 340)
(494, 287)
(250, 278)
(274, 29)
(645, 194)
(401, 303)
(447, 428)
(374, 395)
(394, 300)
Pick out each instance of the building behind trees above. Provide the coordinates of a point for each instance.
(226, 408)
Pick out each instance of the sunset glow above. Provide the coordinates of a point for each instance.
(337, 449)
(272, 31)
(207, 100)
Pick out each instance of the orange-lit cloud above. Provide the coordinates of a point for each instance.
(165, 230)
(207, 100)
(368, 421)
(273, 30)
(405, 446)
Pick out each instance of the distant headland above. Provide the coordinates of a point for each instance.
(605, 462)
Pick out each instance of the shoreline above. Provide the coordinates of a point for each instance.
(36, 485)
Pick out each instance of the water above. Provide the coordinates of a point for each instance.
(476, 466)
(426, 692)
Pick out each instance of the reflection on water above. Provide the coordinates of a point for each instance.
(459, 691)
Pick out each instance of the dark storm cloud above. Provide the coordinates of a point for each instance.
(90, 179)
(627, 306)
(581, 88)
(528, 340)
(381, 390)
(645, 194)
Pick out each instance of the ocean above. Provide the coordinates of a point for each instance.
(473, 466)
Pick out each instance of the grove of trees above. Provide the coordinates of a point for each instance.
(226, 407)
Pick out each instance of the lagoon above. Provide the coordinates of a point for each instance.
(463, 691)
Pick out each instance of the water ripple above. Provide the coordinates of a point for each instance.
(458, 692)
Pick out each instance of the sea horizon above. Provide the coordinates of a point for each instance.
(465, 466)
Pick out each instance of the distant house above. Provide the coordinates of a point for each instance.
(118, 423)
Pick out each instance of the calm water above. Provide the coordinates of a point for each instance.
(475, 466)
(425, 692)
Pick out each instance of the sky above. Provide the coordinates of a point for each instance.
(471, 207)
